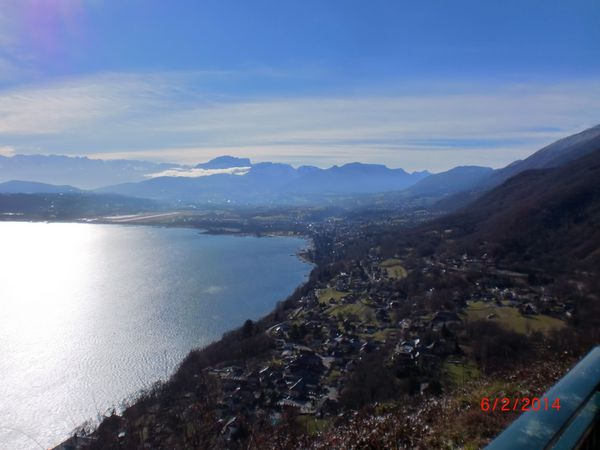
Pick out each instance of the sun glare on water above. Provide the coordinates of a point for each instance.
(44, 278)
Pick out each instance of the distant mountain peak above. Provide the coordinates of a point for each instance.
(270, 182)
(225, 162)
(80, 171)
(33, 187)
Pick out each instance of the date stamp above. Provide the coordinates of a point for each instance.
(521, 404)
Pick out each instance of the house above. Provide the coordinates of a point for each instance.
(528, 308)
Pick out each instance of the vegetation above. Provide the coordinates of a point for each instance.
(363, 312)
(326, 295)
(313, 425)
(459, 372)
(402, 388)
(383, 334)
(394, 268)
(496, 348)
(70, 206)
(511, 318)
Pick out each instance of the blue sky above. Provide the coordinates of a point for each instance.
(419, 85)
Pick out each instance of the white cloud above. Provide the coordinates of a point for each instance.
(7, 151)
(196, 173)
(165, 117)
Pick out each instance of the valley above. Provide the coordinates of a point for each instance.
(414, 311)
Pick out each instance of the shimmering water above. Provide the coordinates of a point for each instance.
(90, 314)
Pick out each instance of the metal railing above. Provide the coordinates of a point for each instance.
(574, 425)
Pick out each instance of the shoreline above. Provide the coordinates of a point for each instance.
(303, 254)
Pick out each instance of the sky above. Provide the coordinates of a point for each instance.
(420, 85)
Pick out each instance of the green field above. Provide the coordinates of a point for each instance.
(394, 268)
(325, 295)
(459, 372)
(382, 335)
(510, 317)
(332, 376)
(364, 313)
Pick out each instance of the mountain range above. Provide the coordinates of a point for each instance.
(34, 187)
(554, 155)
(532, 238)
(83, 172)
(270, 183)
(234, 180)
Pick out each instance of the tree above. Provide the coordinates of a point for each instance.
(248, 329)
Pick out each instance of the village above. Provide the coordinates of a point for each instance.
(372, 326)
(364, 310)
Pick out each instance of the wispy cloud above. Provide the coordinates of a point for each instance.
(75, 107)
(196, 173)
(167, 116)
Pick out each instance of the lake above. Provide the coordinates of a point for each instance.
(90, 314)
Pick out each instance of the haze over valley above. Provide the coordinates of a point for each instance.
(302, 225)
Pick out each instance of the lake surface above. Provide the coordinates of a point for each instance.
(90, 314)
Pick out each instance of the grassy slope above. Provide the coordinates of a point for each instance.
(512, 319)
(326, 295)
(394, 268)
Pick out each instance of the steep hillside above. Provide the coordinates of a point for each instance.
(455, 180)
(547, 218)
(556, 154)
